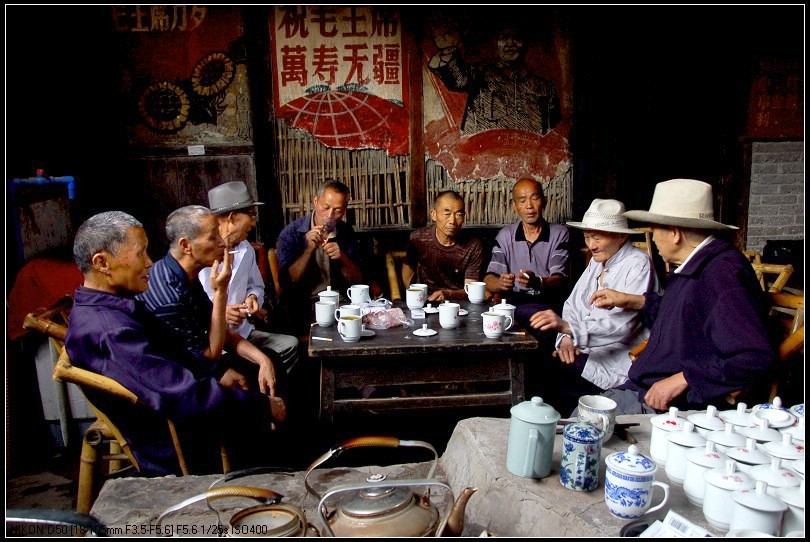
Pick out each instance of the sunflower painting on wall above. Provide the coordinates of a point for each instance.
(185, 75)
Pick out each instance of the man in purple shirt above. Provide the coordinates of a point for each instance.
(529, 259)
(111, 333)
(708, 332)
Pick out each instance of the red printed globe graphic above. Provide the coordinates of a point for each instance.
(350, 119)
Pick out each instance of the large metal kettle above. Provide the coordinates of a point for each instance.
(382, 507)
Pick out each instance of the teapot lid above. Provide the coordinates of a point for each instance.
(583, 433)
(758, 499)
(631, 462)
(376, 501)
(535, 411)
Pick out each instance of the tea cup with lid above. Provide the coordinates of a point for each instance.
(504, 308)
(756, 509)
(629, 483)
(581, 454)
(761, 432)
(785, 449)
(329, 296)
(796, 430)
(680, 442)
(721, 482)
(698, 461)
(793, 497)
(662, 425)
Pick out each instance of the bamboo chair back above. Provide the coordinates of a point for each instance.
(393, 266)
(51, 321)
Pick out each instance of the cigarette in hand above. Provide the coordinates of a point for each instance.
(232, 251)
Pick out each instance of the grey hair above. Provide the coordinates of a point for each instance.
(185, 222)
(104, 231)
(332, 184)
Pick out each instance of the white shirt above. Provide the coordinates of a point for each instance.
(245, 280)
(608, 335)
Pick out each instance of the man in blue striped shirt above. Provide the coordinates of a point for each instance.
(177, 298)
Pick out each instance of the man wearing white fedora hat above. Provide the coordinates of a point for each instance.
(708, 333)
(592, 343)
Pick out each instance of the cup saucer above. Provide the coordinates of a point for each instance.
(425, 332)
(463, 312)
(368, 333)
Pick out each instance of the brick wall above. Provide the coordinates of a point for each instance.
(776, 204)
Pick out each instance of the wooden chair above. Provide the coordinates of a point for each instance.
(782, 272)
(51, 321)
(646, 244)
(272, 260)
(393, 265)
(104, 432)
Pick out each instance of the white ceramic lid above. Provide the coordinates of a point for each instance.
(739, 416)
(424, 331)
(794, 495)
(798, 410)
(706, 456)
(729, 477)
(798, 466)
(688, 437)
(774, 474)
(503, 305)
(727, 437)
(762, 432)
(777, 418)
(749, 454)
(430, 309)
(796, 430)
(707, 420)
(786, 449)
(535, 411)
(758, 499)
(631, 462)
(328, 292)
(669, 421)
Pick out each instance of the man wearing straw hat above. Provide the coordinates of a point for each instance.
(592, 343)
(708, 333)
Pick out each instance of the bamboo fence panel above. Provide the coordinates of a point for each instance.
(379, 184)
(489, 201)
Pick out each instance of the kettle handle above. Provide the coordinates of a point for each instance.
(265, 496)
(361, 442)
(327, 530)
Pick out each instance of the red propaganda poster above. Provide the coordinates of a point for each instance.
(497, 96)
(340, 73)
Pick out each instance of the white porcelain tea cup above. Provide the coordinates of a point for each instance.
(509, 310)
(415, 298)
(350, 327)
(476, 291)
(325, 313)
(662, 425)
(720, 484)
(419, 286)
(359, 293)
(495, 324)
(329, 296)
(599, 411)
(448, 315)
(680, 442)
(347, 310)
(698, 462)
(756, 509)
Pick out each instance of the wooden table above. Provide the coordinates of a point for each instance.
(397, 370)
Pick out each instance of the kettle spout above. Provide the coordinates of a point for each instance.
(455, 523)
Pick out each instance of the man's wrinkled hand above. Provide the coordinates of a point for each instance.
(234, 380)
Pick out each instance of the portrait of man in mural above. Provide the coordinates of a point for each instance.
(503, 94)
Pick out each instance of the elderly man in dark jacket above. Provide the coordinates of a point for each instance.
(708, 332)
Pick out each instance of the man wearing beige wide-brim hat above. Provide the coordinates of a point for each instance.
(592, 343)
(708, 336)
